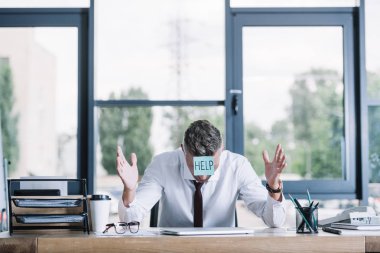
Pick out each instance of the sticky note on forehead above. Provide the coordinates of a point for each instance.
(203, 165)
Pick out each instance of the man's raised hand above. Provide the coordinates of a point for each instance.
(274, 168)
(127, 173)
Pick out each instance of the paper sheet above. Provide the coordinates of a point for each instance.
(141, 232)
(61, 185)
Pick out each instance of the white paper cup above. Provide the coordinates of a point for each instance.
(100, 209)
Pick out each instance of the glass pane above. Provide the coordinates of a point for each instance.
(39, 82)
(294, 3)
(44, 3)
(293, 94)
(147, 131)
(374, 156)
(173, 49)
(372, 22)
(374, 144)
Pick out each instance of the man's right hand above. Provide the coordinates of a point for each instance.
(128, 173)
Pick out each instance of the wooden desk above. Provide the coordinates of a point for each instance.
(265, 241)
(18, 244)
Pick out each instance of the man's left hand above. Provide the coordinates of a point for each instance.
(274, 168)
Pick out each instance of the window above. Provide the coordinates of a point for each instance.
(30, 4)
(155, 74)
(293, 94)
(293, 72)
(174, 51)
(43, 56)
(372, 9)
(292, 3)
(41, 74)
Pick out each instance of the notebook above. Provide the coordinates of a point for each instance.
(206, 231)
(355, 226)
(351, 231)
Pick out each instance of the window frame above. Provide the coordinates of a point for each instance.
(67, 17)
(351, 20)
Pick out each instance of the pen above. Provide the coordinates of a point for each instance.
(299, 209)
(308, 195)
(295, 202)
(311, 207)
(332, 230)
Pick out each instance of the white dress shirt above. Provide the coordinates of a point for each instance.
(168, 180)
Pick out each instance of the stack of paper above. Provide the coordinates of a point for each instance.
(47, 202)
(351, 231)
(49, 218)
(356, 226)
(370, 220)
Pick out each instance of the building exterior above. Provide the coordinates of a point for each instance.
(34, 80)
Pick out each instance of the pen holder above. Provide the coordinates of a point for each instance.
(307, 220)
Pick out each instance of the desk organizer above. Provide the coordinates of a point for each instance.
(46, 210)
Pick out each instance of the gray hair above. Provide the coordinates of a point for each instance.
(202, 138)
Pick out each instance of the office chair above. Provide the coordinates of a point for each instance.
(154, 215)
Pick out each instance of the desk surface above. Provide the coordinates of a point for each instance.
(265, 240)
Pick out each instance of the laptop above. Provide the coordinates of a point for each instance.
(206, 231)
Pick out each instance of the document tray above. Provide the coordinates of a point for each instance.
(49, 218)
(37, 192)
(47, 203)
(39, 209)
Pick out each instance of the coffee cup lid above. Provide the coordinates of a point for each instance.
(100, 197)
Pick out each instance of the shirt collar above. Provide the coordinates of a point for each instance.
(186, 174)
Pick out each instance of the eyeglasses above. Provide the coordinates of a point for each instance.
(122, 227)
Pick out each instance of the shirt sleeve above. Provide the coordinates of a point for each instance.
(257, 199)
(148, 193)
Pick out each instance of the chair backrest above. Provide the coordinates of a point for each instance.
(3, 186)
(154, 216)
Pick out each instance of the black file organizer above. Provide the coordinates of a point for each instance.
(50, 210)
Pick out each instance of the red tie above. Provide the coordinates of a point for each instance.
(198, 205)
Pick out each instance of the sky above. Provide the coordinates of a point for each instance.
(273, 56)
(146, 47)
(62, 43)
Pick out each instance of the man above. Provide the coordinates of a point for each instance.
(187, 199)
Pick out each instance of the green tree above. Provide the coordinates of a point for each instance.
(255, 140)
(179, 118)
(317, 117)
(374, 143)
(373, 85)
(127, 127)
(373, 81)
(9, 119)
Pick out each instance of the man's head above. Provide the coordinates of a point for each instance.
(202, 139)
